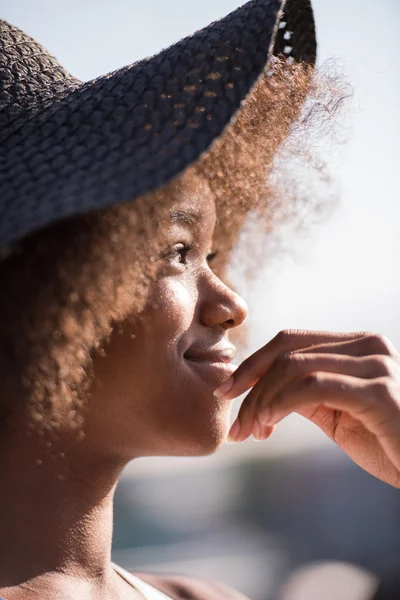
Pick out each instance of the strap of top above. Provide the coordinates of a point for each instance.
(148, 591)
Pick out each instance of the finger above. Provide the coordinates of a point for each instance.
(298, 365)
(254, 367)
(372, 403)
(263, 432)
(242, 428)
(370, 344)
(368, 401)
(284, 369)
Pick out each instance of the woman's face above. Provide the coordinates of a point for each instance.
(153, 390)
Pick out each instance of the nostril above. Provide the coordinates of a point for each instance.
(230, 323)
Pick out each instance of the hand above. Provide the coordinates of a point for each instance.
(347, 384)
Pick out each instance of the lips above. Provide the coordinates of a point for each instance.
(213, 365)
(222, 354)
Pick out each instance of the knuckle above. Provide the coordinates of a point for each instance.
(386, 365)
(289, 363)
(314, 380)
(386, 345)
(383, 391)
(287, 334)
(283, 336)
(379, 344)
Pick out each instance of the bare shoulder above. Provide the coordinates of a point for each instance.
(183, 587)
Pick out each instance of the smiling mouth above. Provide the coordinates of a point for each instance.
(215, 356)
(214, 370)
(210, 361)
(214, 365)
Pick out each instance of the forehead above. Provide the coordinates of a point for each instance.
(193, 215)
(186, 202)
(186, 216)
(192, 207)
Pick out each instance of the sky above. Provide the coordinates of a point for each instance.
(343, 275)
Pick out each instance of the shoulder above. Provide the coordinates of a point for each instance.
(182, 587)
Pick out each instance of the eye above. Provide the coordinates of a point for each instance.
(179, 253)
(211, 256)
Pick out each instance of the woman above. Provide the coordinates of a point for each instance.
(122, 200)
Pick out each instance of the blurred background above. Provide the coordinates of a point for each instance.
(254, 514)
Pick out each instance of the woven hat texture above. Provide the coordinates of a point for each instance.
(68, 147)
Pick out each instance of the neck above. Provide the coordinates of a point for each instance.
(61, 516)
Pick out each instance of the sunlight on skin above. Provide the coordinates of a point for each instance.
(335, 298)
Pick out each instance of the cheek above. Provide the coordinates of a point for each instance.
(172, 309)
(187, 397)
(147, 380)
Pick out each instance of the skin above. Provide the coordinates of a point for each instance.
(346, 383)
(146, 399)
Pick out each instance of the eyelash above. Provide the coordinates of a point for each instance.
(184, 250)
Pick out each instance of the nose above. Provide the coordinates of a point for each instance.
(220, 305)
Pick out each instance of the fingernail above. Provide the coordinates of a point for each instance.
(234, 432)
(224, 388)
(264, 416)
(266, 431)
(257, 432)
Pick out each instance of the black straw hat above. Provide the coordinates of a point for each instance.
(68, 147)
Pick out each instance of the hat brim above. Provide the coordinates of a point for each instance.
(87, 146)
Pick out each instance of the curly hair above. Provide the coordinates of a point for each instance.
(67, 286)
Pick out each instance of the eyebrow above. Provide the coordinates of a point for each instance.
(187, 217)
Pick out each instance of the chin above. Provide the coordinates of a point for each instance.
(208, 440)
(190, 420)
